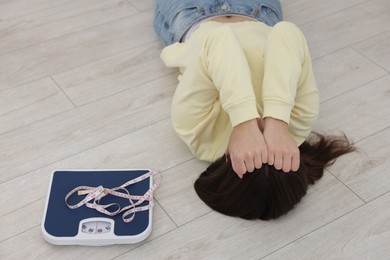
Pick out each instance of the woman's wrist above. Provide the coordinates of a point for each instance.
(247, 124)
(274, 122)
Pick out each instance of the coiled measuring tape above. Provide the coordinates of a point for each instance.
(97, 193)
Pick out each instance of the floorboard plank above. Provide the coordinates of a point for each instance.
(342, 71)
(303, 11)
(74, 50)
(377, 49)
(366, 171)
(143, 5)
(117, 73)
(362, 234)
(347, 27)
(37, 27)
(67, 134)
(30, 103)
(359, 113)
(17, 8)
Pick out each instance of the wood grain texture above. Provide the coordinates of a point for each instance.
(359, 113)
(362, 234)
(377, 49)
(303, 11)
(33, 28)
(343, 71)
(37, 145)
(347, 27)
(109, 76)
(367, 171)
(74, 50)
(31, 102)
(17, 8)
(143, 5)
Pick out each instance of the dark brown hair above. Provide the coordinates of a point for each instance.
(268, 193)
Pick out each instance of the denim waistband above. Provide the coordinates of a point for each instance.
(173, 18)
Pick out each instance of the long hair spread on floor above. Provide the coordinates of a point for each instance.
(268, 193)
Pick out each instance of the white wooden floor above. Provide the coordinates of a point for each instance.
(82, 86)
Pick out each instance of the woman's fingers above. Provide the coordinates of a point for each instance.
(295, 162)
(242, 166)
(250, 166)
(247, 147)
(278, 162)
(286, 167)
(286, 163)
(283, 151)
(238, 167)
(271, 158)
(258, 161)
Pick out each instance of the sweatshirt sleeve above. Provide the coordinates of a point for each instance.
(289, 89)
(283, 57)
(228, 68)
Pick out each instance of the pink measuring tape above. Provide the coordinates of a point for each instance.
(96, 193)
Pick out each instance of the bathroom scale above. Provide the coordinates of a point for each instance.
(85, 225)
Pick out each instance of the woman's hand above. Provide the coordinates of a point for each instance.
(283, 152)
(247, 148)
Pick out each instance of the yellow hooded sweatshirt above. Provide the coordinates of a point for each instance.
(234, 72)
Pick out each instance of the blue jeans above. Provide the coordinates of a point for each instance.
(173, 18)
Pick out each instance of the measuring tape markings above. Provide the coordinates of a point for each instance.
(97, 193)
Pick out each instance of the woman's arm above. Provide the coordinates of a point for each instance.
(229, 70)
(290, 95)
